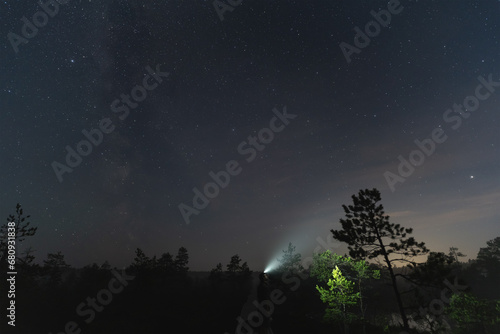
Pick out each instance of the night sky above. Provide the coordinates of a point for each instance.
(227, 80)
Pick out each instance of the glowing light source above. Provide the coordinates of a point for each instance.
(271, 266)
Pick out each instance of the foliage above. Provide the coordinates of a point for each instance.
(235, 269)
(105, 265)
(143, 262)
(290, 260)
(54, 266)
(429, 280)
(245, 269)
(26, 261)
(363, 270)
(324, 263)
(366, 227)
(166, 263)
(216, 273)
(437, 267)
(489, 257)
(454, 253)
(234, 265)
(55, 260)
(339, 296)
(497, 309)
(369, 234)
(181, 260)
(356, 271)
(217, 269)
(473, 314)
(22, 230)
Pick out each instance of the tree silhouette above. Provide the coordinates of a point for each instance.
(105, 265)
(22, 230)
(234, 268)
(489, 257)
(142, 262)
(433, 272)
(166, 263)
(54, 266)
(428, 281)
(27, 259)
(234, 265)
(370, 235)
(216, 273)
(30, 270)
(245, 270)
(181, 260)
(290, 260)
(55, 260)
(455, 254)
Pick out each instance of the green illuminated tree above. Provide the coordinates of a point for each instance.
(324, 263)
(339, 296)
(357, 271)
(370, 235)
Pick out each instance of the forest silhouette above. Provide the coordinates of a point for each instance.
(380, 286)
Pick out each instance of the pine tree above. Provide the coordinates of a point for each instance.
(55, 265)
(181, 260)
(370, 235)
(22, 230)
(166, 263)
(290, 260)
(488, 258)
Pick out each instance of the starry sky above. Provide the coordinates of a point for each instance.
(226, 81)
